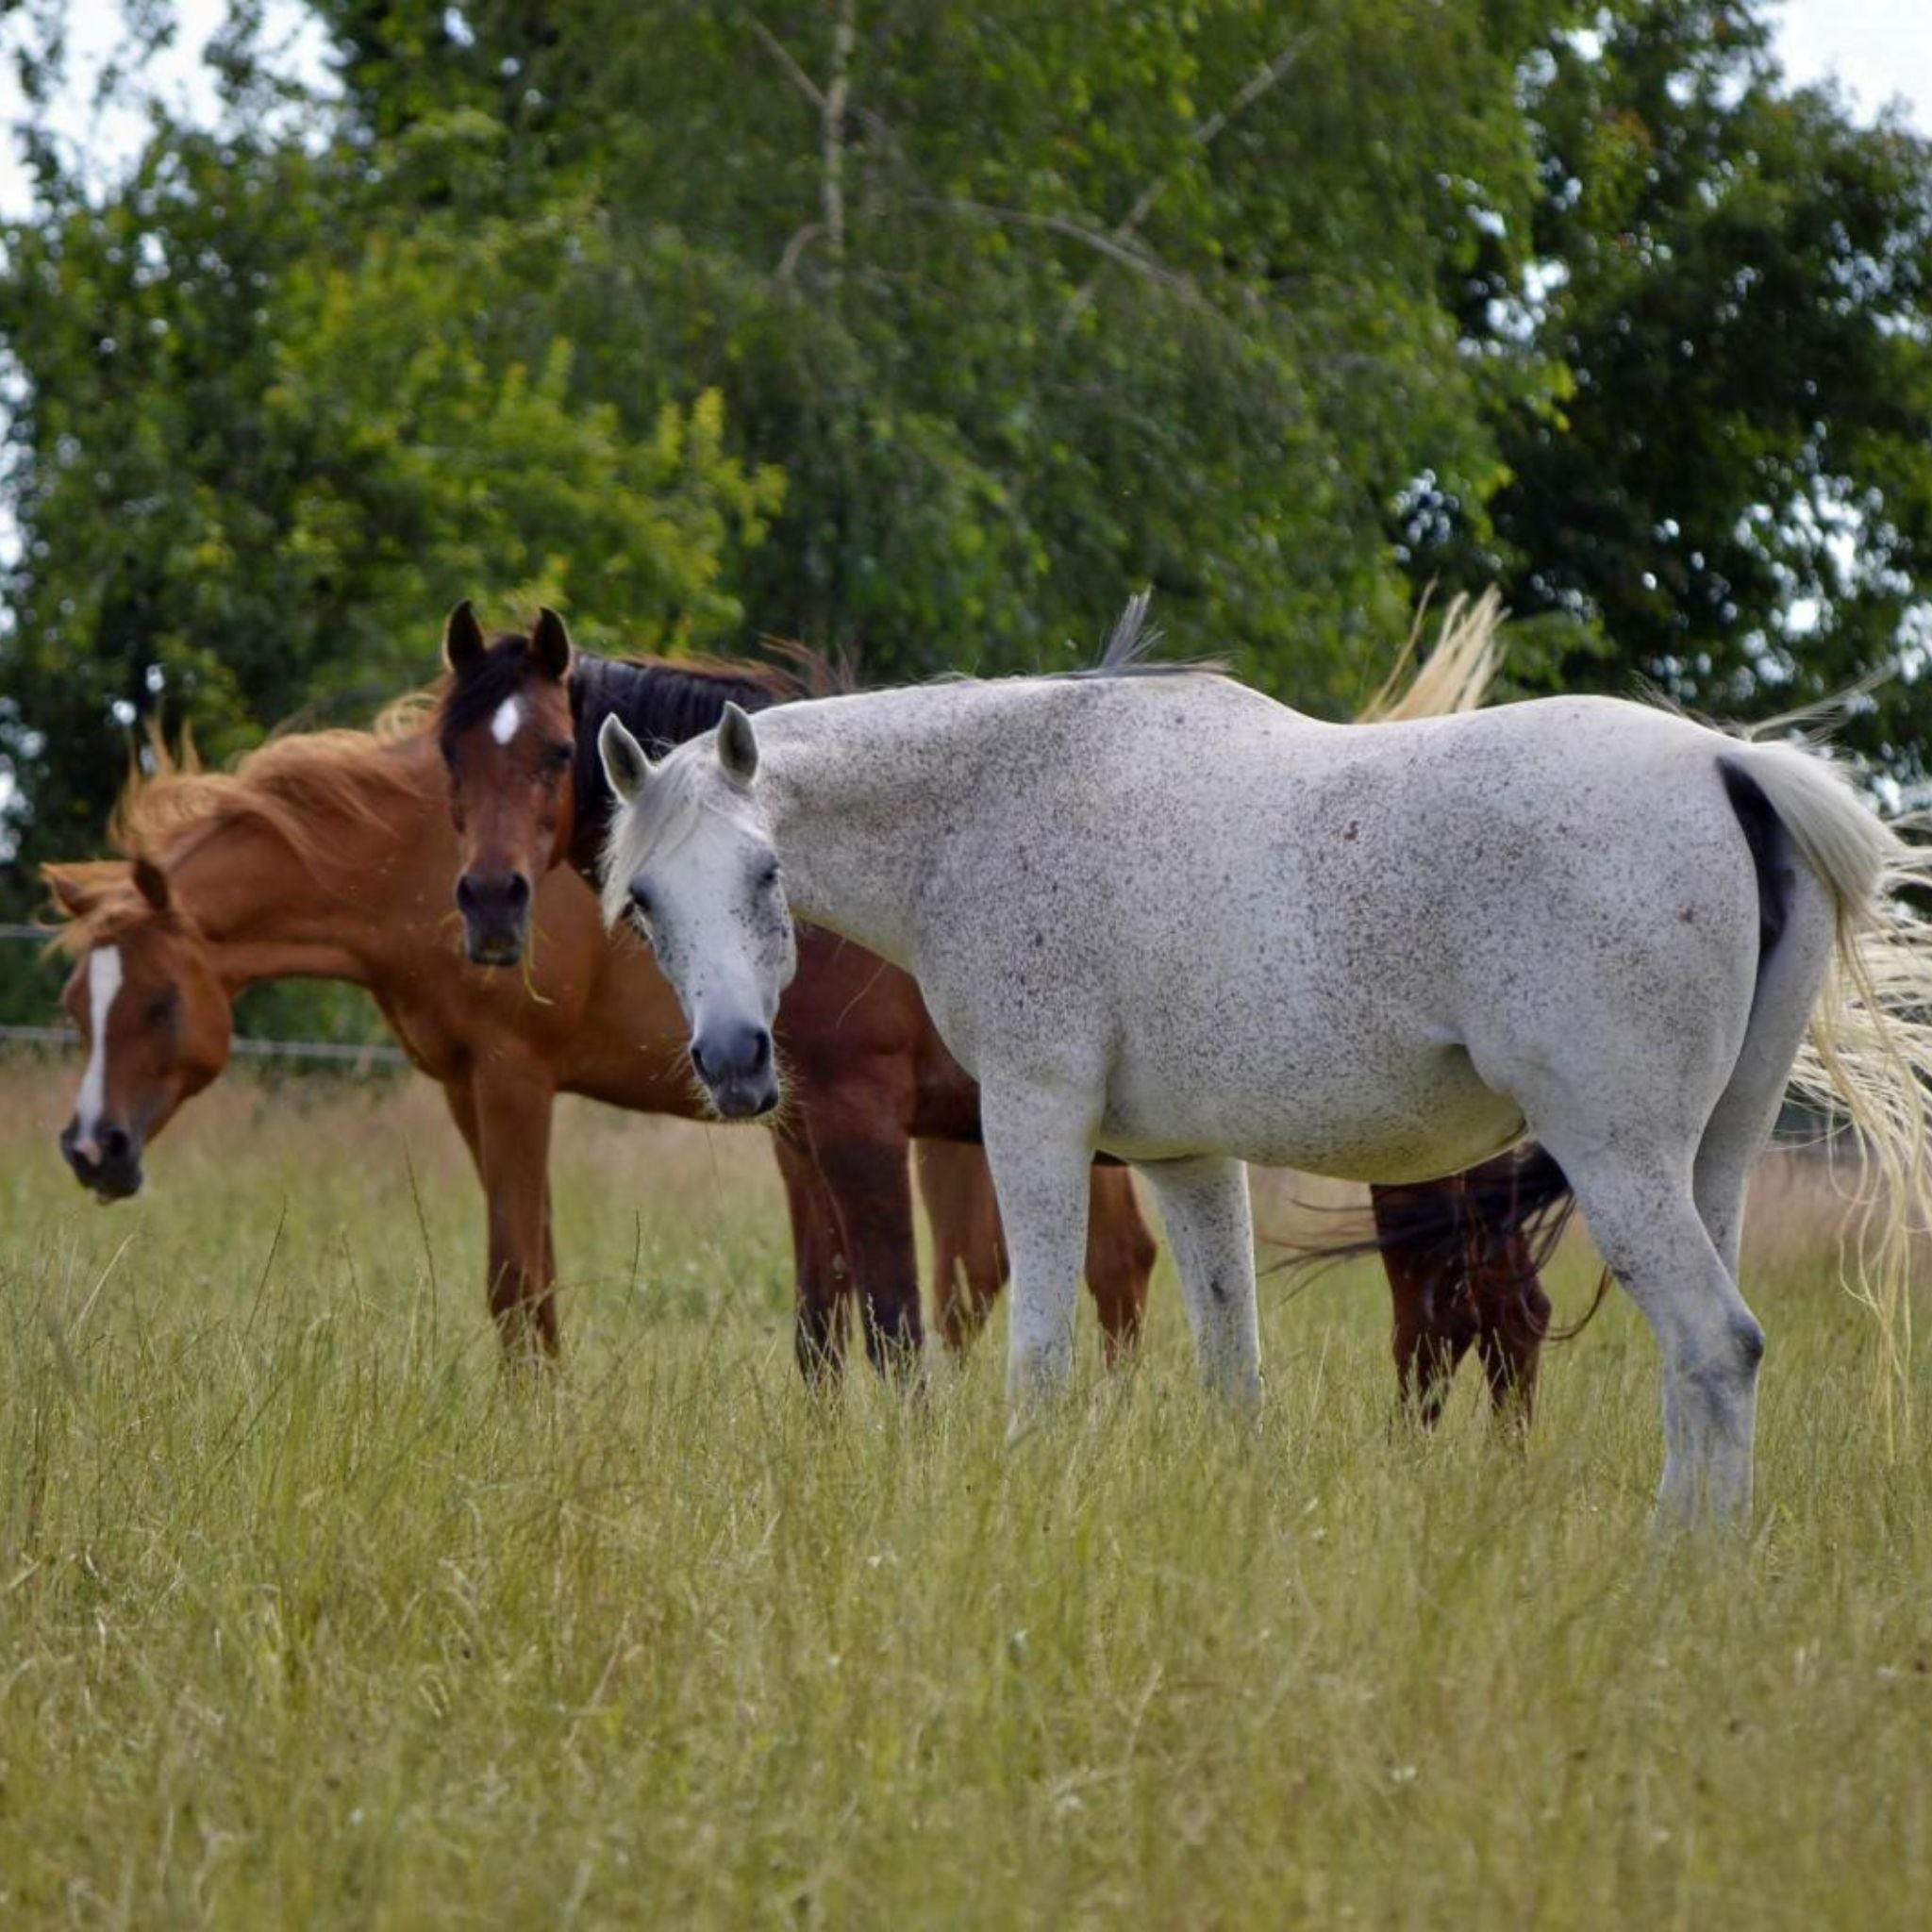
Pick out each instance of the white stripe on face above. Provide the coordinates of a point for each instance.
(509, 714)
(103, 984)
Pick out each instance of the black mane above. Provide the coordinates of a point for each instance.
(661, 703)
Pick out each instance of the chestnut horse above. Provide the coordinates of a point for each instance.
(330, 855)
(518, 723)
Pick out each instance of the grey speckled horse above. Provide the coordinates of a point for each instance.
(1159, 914)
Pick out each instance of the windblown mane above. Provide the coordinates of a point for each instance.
(300, 789)
(1458, 673)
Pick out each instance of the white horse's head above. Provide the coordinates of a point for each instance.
(691, 859)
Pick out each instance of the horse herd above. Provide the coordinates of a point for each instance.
(1139, 917)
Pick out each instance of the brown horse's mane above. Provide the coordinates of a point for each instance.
(301, 790)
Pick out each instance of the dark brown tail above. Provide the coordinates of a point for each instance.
(1489, 1233)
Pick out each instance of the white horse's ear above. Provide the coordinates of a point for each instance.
(550, 645)
(738, 747)
(626, 764)
(462, 639)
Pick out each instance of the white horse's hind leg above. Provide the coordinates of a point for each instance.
(1645, 1218)
(1038, 1145)
(1204, 1206)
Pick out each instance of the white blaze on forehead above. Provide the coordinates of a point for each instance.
(509, 714)
(103, 984)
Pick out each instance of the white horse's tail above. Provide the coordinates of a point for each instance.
(1459, 672)
(1868, 1060)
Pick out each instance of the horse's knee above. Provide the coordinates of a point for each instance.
(1747, 1340)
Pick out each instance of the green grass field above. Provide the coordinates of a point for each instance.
(309, 1617)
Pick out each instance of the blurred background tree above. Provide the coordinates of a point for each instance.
(930, 329)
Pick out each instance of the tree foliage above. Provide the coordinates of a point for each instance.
(931, 329)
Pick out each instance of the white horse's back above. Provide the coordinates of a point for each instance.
(1227, 904)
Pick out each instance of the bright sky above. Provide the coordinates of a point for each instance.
(1881, 50)
(96, 31)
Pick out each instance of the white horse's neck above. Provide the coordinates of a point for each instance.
(855, 791)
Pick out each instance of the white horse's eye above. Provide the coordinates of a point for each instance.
(641, 902)
(768, 875)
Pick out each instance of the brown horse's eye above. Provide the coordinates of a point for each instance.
(556, 760)
(162, 1009)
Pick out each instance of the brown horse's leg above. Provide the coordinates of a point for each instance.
(1514, 1316)
(969, 1257)
(549, 1238)
(462, 1109)
(818, 1336)
(512, 1107)
(860, 1140)
(1119, 1260)
(1430, 1336)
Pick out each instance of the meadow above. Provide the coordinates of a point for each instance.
(310, 1615)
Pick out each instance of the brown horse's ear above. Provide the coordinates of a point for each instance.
(74, 892)
(550, 645)
(150, 882)
(462, 639)
(738, 747)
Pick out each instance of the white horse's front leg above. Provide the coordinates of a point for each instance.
(1204, 1207)
(1039, 1148)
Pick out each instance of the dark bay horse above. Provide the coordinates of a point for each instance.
(518, 723)
(330, 855)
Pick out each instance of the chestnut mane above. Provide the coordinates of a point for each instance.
(302, 789)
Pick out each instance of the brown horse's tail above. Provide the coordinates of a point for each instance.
(1488, 1233)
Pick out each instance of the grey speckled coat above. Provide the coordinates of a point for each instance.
(1162, 915)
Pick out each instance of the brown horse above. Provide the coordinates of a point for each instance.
(518, 724)
(330, 855)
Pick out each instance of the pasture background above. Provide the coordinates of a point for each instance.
(307, 1616)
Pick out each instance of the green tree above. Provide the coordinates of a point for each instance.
(1032, 300)
(262, 440)
(1735, 498)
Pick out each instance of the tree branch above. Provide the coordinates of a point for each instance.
(843, 35)
(1095, 238)
(793, 72)
(1205, 134)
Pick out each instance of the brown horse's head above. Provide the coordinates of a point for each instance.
(152, 1013)
(506, 738)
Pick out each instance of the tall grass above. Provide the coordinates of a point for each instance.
(308, 1616)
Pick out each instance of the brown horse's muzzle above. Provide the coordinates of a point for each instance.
(496, 916)
(108, 1160)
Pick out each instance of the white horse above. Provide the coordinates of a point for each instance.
(1161, 915)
